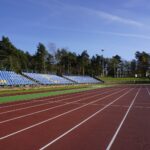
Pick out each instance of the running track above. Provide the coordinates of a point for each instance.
(102, 119)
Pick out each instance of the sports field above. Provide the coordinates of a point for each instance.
(103, 118)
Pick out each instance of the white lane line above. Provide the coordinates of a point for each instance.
(122, 121)
(50, 98)
(84, 121)
(148, 91)
(44, 110)
(60, 115)
(46, 103)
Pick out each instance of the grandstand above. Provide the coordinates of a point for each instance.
(12, 79)
(40, 78)
(57, 79)
(47, 79)
(82, 79)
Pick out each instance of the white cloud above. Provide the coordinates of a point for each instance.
(89, 11)
(126, 35)
(110, 17)
(119, 19)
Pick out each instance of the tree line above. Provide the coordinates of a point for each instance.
(63, 61)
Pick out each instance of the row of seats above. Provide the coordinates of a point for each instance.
(48, 79)
(38, 77)
(12, 78)
(57, 79)
(82, 79)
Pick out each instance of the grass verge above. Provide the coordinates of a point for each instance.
(46, 94)
(132, 80)
(23, 90)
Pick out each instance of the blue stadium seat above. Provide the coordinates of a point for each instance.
(57, 79)
(82, 79)
(47, 79)
(12, 78)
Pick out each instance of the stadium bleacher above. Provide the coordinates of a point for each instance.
(38, 77)
(12, 78)
(82, 79)
(47, 79)
(57, 79)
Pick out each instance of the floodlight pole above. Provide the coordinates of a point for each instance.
(102, 50)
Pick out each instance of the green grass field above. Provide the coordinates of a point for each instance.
(132, 80)
(62, 90)
(16, 90)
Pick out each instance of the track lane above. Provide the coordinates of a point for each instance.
(122, 121)
(136, 129)
(93, 134)
(51, 105)
(41, 116)
(81, 111)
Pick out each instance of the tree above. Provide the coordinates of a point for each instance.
(84, 61)
(41, 56)
(60, 60)
(96, 65)
(64, 61)
(133, 67)
(143, 62)
(116, 60)
(49, 63)
(9, 55)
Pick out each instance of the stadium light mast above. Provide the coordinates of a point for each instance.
(102, 50)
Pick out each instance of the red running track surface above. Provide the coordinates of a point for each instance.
(108, 118)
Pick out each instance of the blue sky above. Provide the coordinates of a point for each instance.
(118, 27)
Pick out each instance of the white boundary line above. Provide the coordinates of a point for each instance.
(84, 121)
(44, 110)
(60, 115)
(46, 103)
(148, 91)
(122, 121)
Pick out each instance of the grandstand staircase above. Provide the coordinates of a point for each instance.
(98, 79)
(30, 78)
(70, 80)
